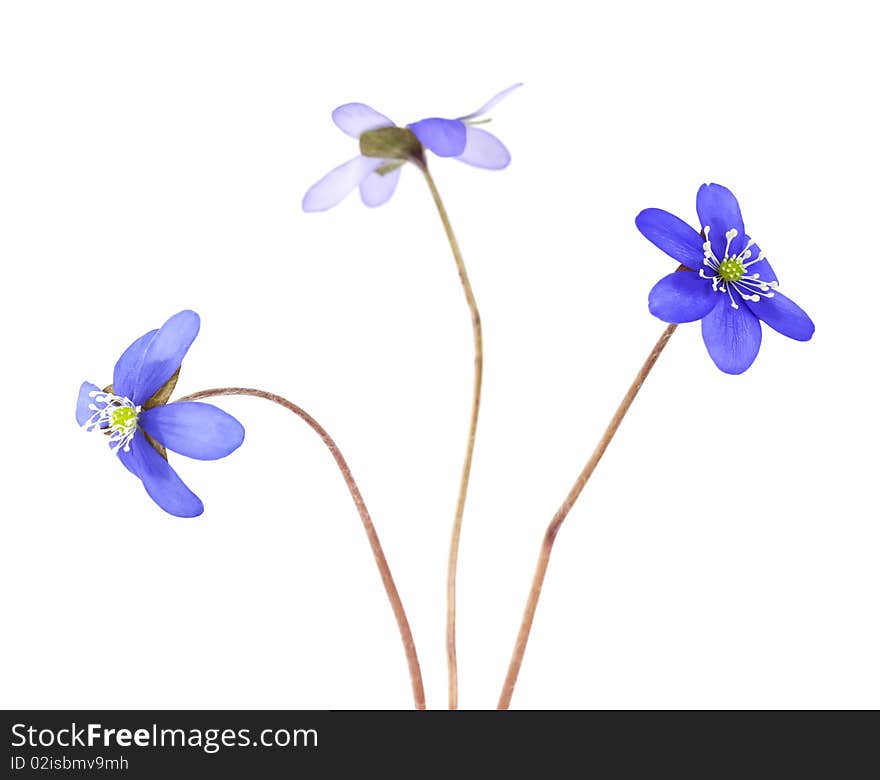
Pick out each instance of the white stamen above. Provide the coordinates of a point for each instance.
(750, 287)
(114, 415)
(758, 259)
(755, 288)
(733, 303)
(729, 235)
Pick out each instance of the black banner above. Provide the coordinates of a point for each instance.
(266, 744)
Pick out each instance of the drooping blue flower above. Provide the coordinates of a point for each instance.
(133, 413)
(727, 282)
(377, 175)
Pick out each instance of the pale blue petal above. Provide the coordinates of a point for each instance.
(333, 188)
(356, 118)
(484, 150)
(377, 188)
(491, 103)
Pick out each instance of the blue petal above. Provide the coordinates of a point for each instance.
(732, 336)
(377, 188)
(444, 137)
(674, 236)
(683, 296)
(127, 367)
(491, 103)
(484, 150)
(127, 458)
(333, 188)
(719, 211)
(161, 481)
(356, 118)
(83, 413)
(194, 429)
(163, 355)
(784, 315)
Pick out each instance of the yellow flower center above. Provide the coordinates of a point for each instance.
(115, 416)
(732, 269)
(123, 419)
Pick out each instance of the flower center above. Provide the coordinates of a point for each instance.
(122, 419)
(731, 269)
(730, 273)
(115, 416)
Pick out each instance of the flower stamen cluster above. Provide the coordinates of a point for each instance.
(114, 415)
(730, 273)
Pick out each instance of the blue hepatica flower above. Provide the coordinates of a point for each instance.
(139, 425)
(376, 170)
(727, 282)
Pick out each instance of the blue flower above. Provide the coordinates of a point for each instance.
(377, 175)
(133, 413)
(727, 282)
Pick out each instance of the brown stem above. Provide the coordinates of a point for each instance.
(522, 638)
(409, 647)
(452, 567)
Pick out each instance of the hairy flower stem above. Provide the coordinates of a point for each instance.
(522, 638)
(409, 647)
(452, 568)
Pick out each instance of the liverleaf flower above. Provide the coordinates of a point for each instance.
(726, 281)
(140, 424)
(385, 148)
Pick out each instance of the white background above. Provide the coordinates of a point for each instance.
(153, 158)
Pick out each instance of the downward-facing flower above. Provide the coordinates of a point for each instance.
(139, 422)
(726, 282)
(385, 148)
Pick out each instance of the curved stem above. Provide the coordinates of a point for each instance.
(409, 647)
(452, 567)
(522, 638)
